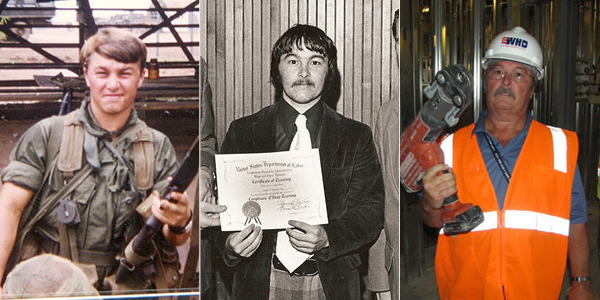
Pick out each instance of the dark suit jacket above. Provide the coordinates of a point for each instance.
(353, 191)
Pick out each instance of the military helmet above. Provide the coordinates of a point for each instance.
(47, 275)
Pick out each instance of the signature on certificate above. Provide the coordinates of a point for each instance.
(293, 204)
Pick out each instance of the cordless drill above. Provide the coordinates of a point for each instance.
(449, 95)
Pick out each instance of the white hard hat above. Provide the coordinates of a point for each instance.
(516, 45)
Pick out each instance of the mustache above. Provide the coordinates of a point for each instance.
(504, 90)
(303, 82)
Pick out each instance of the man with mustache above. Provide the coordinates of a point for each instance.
(304, 72)
(524, 176)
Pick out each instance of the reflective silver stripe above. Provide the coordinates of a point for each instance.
(446, 146)
(490, 221)
(559, 139)
(523, 219)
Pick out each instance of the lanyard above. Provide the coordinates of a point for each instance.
(497, 157)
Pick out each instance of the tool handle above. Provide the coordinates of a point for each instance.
(452, 198)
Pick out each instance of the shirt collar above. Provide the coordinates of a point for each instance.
(480, 125)
(288, 115)
(87, 118)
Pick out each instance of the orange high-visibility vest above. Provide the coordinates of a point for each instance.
(519, 252)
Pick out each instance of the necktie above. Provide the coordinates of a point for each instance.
(290, 257)
(301, 140)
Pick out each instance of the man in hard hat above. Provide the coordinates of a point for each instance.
(525, 178)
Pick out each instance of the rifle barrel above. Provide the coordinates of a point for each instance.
(180, 182)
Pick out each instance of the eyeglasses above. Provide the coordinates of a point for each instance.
(518, 75)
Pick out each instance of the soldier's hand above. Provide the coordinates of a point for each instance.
(437, 186)
(245, 242)
(173, 214)
(307, 238)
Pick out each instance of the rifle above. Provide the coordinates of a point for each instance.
(141, 245)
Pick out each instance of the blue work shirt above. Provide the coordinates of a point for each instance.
(509, 156)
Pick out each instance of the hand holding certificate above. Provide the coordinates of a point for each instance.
(269, 189)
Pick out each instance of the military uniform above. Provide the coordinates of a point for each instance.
(106, 199)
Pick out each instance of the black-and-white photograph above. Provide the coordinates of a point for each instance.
(295, 86)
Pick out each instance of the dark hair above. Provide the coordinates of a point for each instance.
(314, 39)
(395, 25)
(118, 44)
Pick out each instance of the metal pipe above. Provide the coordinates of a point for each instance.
(476, 20)
(438, 10)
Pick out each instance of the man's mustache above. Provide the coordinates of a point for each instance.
(503, 90)
(303, 82)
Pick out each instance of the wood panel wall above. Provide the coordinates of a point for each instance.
(236, 37)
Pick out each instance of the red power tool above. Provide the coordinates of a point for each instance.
(449, 95)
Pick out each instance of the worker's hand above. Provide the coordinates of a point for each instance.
(209, 214)
(311, 239)
(244, 243)
(582, 291)
(437, 186)
(206, 186)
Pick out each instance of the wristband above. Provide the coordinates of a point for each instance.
(183, 229)
(581, 279)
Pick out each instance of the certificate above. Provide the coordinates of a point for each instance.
(269, 189)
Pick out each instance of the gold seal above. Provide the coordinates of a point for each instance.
(251, 209)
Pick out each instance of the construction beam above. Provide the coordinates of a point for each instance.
(6, 30)
(3, 4)
(174, 32)
(173, 17)
(87, 24)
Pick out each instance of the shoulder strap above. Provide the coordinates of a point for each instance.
(143, 159)
(71, 151)
(71, 146)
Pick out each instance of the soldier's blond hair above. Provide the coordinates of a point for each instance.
(118, 44)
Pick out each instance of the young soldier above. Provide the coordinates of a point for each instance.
(104, 135)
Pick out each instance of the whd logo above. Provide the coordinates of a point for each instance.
(515, 42)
